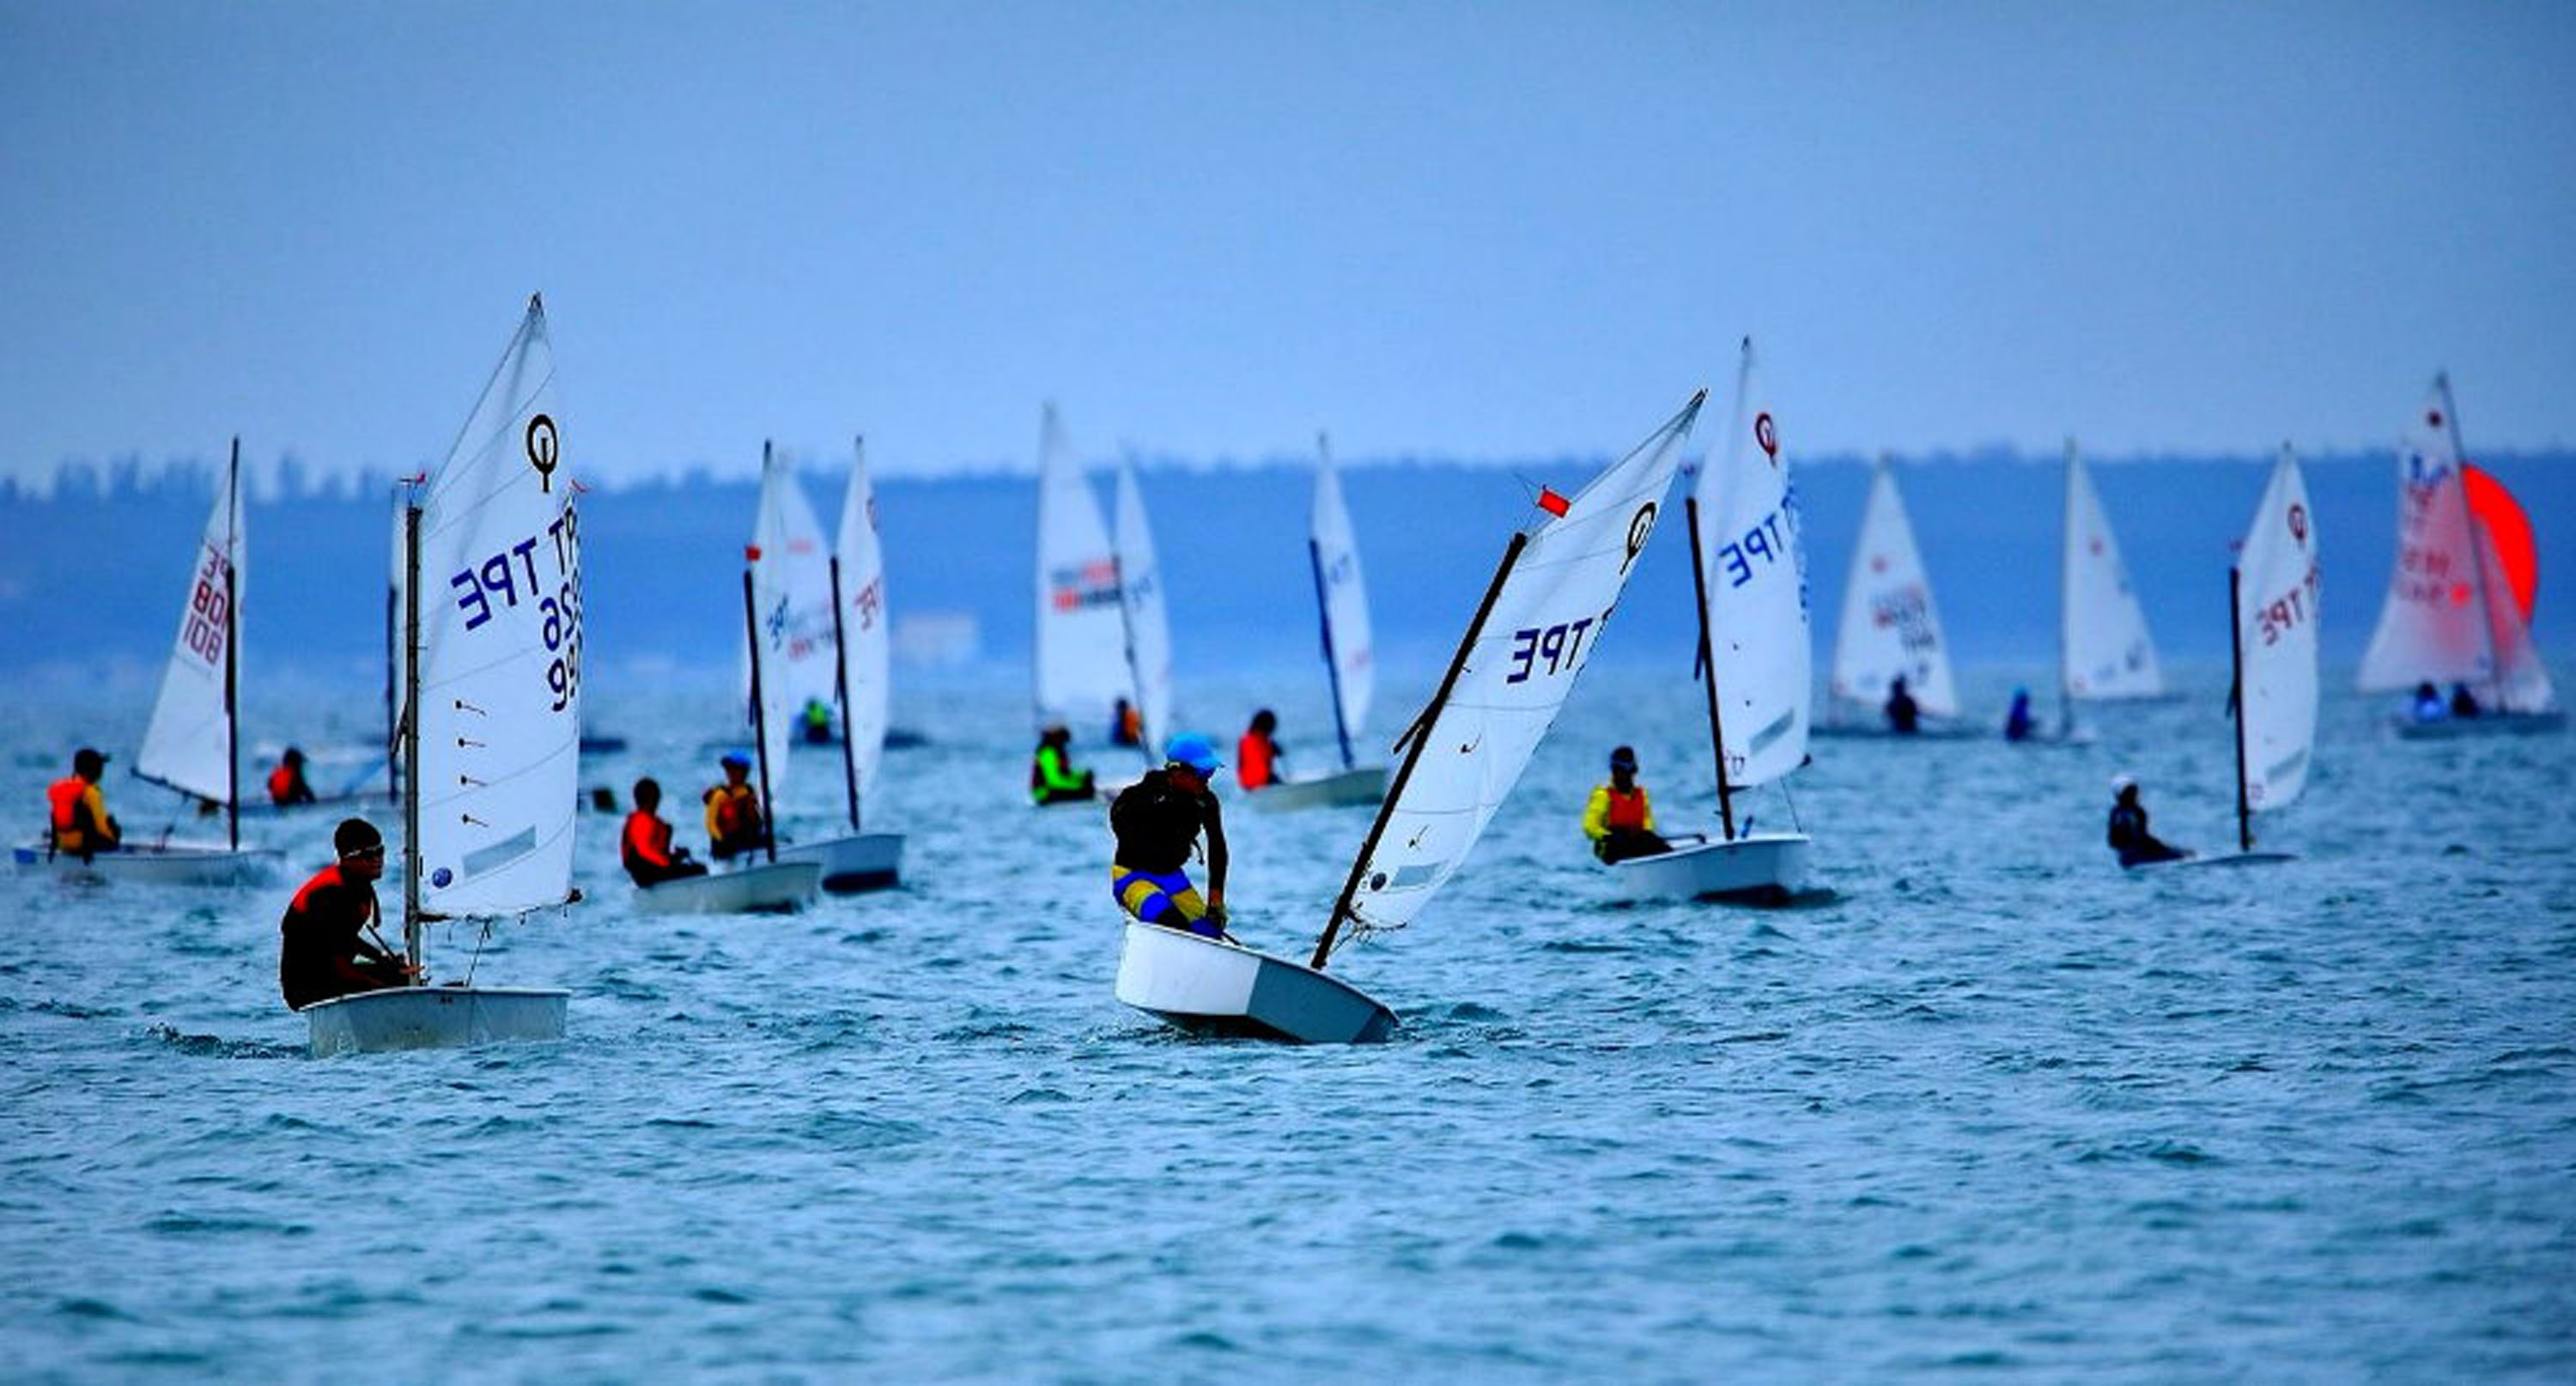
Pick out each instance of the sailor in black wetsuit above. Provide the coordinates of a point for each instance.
(1903, 716)
(1158, 820)
(326, 950)
(2128, 833)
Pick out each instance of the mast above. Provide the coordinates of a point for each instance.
(2477, 547)
(1415, 738)
(394, 773)
(1332, 670)
(841, 690)
(411, 734)
(2236, 662)
(1708, 664)
(2066, 601)
(759, 718)
(232, 648)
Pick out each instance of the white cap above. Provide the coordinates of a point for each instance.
(2122, 781)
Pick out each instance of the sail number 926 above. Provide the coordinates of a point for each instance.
(506, 581)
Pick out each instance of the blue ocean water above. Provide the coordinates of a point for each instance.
(1992, 1109)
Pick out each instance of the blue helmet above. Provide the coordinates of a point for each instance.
(1194, 751)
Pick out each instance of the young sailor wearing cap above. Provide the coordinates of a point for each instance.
(326, 941)
(1157, 821)
(77, 821)
(735, 824)
(2128, 833)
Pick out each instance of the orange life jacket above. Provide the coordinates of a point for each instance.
(648, 840)
(281, 785)
(733, 812)
(1628, 810)
(64, 798)
(1252, 761)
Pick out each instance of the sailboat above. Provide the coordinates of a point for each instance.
(192, 743)
(2459, 602)
(1148, 625)
(1350, 655)
(786, 608)
(861, 664)
(491, 711)
(1889, 627)
(1532, 634)
(2104, 651)
(2272, 611)
(1082, 664)
(1749, 571)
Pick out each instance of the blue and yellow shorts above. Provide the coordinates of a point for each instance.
(1153, 896)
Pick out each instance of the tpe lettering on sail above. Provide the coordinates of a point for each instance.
(505, 580)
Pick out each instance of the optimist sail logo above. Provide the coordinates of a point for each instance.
(544, 446)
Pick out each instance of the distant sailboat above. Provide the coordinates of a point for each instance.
(193, 741)
(1148, 633)
(1749, 570)
(2104, 649)
(2459, 602)
(864, 656)
(1536, 628)
(492, 710)
(1350, 653)
(2272, 595)
(1082, 663)
(1889, 628)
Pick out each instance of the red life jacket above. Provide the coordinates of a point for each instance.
(1628, 810)
(64, 798)
(281, 785)
(737, 812)
(1252, 767)
(648, 840)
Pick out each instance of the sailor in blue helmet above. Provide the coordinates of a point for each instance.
(1158, 821)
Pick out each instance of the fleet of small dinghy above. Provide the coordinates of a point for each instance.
(1531, 636)
(2459, 603)
(1350, 653)
(1749, 569)
(491, 711)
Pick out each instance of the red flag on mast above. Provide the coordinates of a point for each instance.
(1551, 502)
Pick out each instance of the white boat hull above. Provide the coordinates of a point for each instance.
(372, 1022)
(1209, 987)
(770, 888)
(1925, 731)
(176, 864)
(1761, 867)
(2223, 859)
(862, 861)
(2484, 724)
(1365, 784)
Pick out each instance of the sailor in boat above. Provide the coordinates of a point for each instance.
(2017, 723)
(2128, 833)
(1257, 755)
(1158, 821)
(814, 722)
(1052, 778)
(646, 847)
(1618, 819)
(286, 783)
(77, 821)
(735, 823)
(2463, 702)
(327, 939)
(2428, 703)
(1126, 725)
(1903, 717)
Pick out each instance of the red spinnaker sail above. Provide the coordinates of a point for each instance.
(2508, 533)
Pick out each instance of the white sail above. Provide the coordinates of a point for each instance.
(2449, 616)
(791, 585)
(1755, 567)
(2277, 592)
(1341, 588)
(499, 705)
(1081, 630)
(2104, 650)
(1149, 626)
(1513, 675)
(866, 645)
(1889, 625)
(189, 745)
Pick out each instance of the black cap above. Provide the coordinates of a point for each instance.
(1623, 758)
(355, 835)
(88, 758)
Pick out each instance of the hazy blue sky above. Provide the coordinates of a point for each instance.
(1209, 228)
